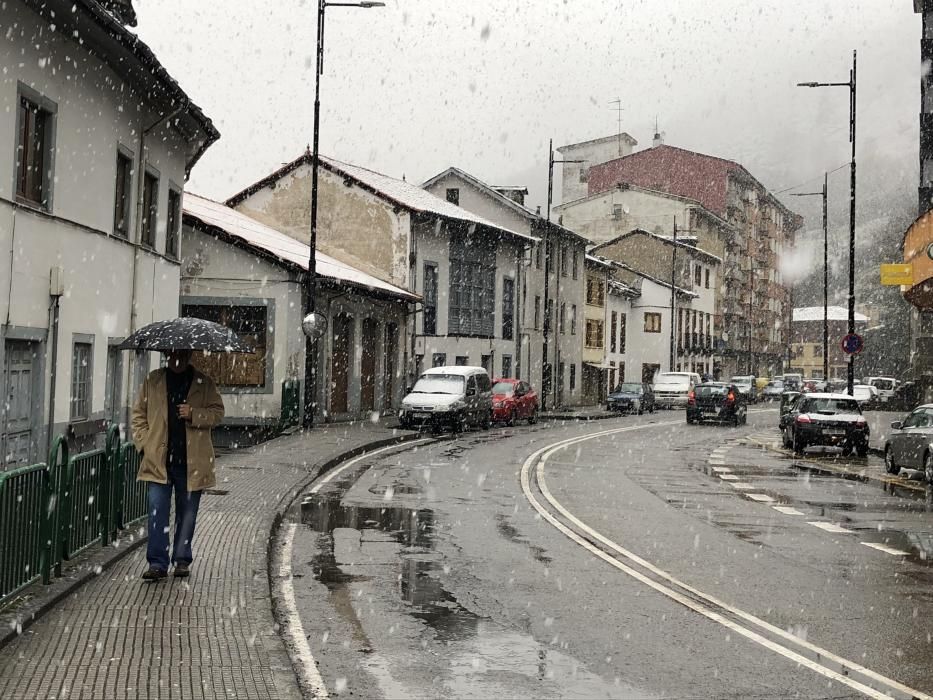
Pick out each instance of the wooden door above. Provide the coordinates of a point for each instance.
(18, 377)
(370, 345)
(389, 356)
(340, 358)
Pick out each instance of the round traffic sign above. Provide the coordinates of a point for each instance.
(852, 344)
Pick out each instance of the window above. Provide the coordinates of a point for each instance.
(563, 318)
(113, 384)
(563, 261)
(453, 195)
(81, 374)
(595, 292)
(123, 195)
(462, 360)
(706, 274)
(537, 312)
(485, 361)
(429, 321)
(652, 322)
(235, 370)
(583, 177)
(613, 329)
(617, 212)
(508, 308)
(594, 333)
(538, 256)
(817, 350)
(576, 263)
(33, 153)
(174, 223)
(573, 377)
(472, 288)
(622, 333)
(697, 275)
(439, 359)
(573, 319)
(507, 366)
(150, 209)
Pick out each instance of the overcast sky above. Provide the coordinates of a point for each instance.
(482, 84)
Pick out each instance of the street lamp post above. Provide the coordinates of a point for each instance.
(546, 369)
(313, 325)
(851, 85)
(824, 195)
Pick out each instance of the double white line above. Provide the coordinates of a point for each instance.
(808, 655)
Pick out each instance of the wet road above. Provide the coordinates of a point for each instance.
(659, 560)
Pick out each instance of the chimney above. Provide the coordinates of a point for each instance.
(658, 140)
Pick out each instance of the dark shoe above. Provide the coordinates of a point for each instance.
(182, 570)
(154, 574)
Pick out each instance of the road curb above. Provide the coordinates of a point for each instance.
(276, 648)
(887, 482)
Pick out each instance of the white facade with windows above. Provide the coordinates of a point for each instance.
(565, 289)
(76, 272)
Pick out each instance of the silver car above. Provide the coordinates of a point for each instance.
(910, 443)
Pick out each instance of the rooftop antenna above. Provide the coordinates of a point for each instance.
(618, 108)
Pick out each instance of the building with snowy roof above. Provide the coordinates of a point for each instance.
(251, 277)
(96, 142)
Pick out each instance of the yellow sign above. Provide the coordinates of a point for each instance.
(896, 274)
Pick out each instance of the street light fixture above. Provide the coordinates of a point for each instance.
(851, 85)
(546, 369)
(822, 194)
(312, 324)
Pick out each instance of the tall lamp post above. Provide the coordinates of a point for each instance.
(851, 85)
(546, 370)
(314, 324)
(823, 194)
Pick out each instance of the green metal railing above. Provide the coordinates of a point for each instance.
(51, 512)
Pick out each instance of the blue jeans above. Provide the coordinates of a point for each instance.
(186, 515)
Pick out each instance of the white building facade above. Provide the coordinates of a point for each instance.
(96, 141)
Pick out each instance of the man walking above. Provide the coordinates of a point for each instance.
(172, 420)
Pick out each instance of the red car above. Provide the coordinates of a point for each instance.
(512, 400)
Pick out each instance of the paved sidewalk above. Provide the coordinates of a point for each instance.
(210, 636)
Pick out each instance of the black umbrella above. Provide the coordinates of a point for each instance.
(185, 334)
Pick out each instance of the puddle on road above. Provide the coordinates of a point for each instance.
(469, 655)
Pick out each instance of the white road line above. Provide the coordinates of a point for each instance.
(760, 497)
(847, 666)
(722, 470)
(830, 527)
(346, 465)
(294, 631)
(716, 461)
(787, 510)
(887, 550)
(728, 477)
(740, 485)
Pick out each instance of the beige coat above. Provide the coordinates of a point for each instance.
(150, 429)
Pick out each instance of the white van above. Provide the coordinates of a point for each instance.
(671, 389)
(884, 385)
(454, 397)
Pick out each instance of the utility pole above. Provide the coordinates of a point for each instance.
(673, 298)
(824, 194)
(852, 104)
(546, 366)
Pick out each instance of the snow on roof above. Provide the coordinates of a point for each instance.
(286, 248)
(413, 197)
(834, 313)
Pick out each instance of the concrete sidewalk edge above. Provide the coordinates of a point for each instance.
(286, 682)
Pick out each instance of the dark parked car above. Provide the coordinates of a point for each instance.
(718, 401)
(513, 400)
(910, 443)
(833, 420)
(631, 397)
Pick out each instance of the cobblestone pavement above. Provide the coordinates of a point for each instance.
(210, 636)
